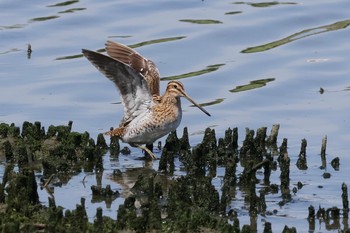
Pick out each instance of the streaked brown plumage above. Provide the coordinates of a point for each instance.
(132, 58)
(148, 116)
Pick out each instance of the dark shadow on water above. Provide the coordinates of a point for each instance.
(65, 3)
(45, 18)
(266, 4)
(252, 85)
(149, 42)
(72, 10)
(60, 4)
(9, 51)
(233, 12)
(156, 41)
(299, 35)
(201, 21)
(15, 26)
(120, 36)
(206, 70)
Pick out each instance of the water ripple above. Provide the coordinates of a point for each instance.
(208, 69)
(253, 85)
(299, 35)
(201, 21)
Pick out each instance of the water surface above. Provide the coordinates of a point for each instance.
(252, 64)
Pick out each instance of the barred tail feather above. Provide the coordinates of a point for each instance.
(119, 132)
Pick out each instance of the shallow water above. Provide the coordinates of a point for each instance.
(253, 64)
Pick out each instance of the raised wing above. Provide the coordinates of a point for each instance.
(132, 85)
(132, 58)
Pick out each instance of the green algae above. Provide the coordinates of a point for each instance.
(186, 203)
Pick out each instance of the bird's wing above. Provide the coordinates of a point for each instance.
(132, 58)
(132, 85)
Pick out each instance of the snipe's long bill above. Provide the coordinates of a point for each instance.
(148, 116)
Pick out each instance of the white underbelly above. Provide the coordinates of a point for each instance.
(142, 131)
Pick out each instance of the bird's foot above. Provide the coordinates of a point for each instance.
(153, 156)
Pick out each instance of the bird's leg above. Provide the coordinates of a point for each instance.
(150, 153)
(150, 146)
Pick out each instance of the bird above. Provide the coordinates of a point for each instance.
(148, 115)
(145, 66)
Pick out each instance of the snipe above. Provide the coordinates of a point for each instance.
(148, 116)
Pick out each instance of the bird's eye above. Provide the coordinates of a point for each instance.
(175, 86)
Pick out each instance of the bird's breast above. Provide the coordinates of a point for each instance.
(153, 124)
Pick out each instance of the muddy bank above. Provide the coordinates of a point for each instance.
(158, 201)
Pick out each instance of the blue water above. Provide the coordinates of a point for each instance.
(286, 50)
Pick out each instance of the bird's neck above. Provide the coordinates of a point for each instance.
(171, 100)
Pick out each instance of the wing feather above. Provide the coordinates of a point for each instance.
(132, 85)
(132, 58)
(128, 56)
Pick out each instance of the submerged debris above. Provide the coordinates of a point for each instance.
(302, 163)
(323, 153)
(29, 51)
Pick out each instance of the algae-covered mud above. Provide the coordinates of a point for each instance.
(220, 185)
